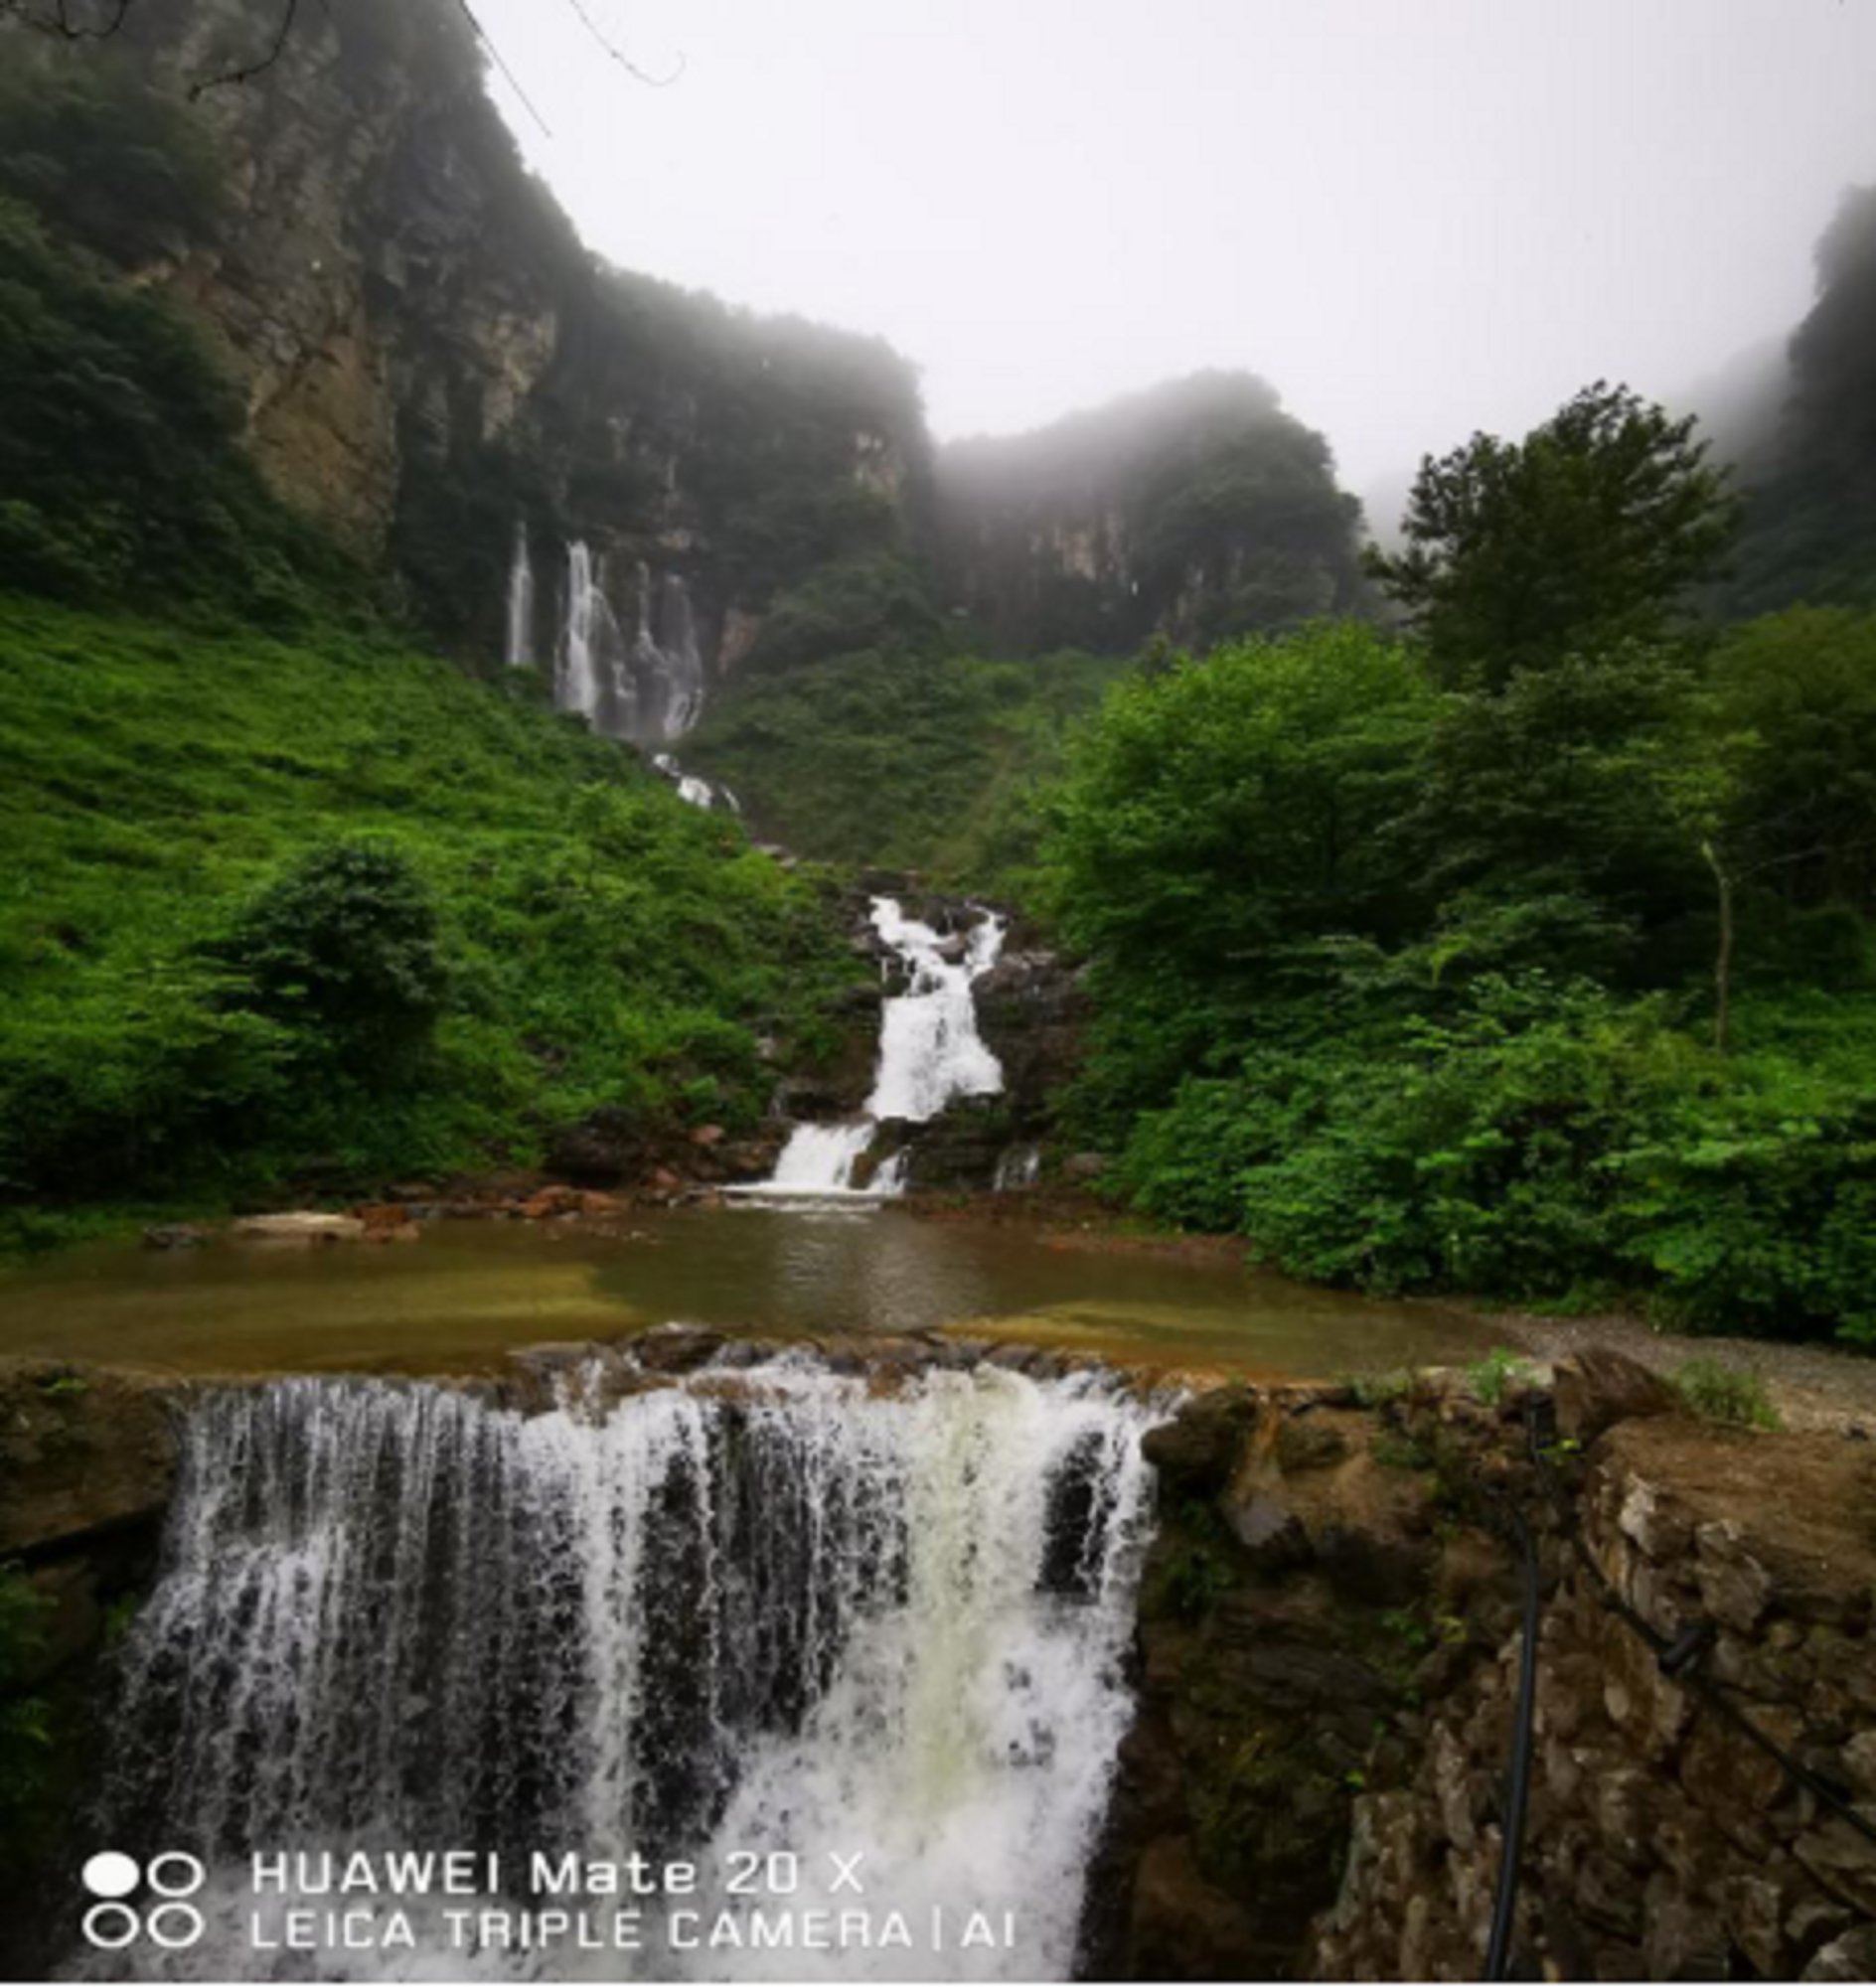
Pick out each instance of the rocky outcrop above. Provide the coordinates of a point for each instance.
(1032, 1011)
(1329, 1646)
(1663, 1842)
(428, 356)
(1196, 509)
(1271, 1652)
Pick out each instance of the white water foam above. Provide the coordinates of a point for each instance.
(930, 1054)
(773, 1610)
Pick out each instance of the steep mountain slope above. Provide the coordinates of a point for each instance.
(1196, 509)
(592, 942)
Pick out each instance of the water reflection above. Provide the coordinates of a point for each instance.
(468, 1290)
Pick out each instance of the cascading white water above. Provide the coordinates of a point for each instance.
(669, 667)
(698, 791)
(588, 677)
(1017, 1166)
(765, 1610)
(649, 692)
(929, 1049)
(930, 1053)
(521, 604)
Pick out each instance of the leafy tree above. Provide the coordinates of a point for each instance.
(1222, 829)
(1792, 705)
(1558, 796)
(1586, 533)
(1228, 808)
(344, 946)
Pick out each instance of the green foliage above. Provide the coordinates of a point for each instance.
(272, 908)
(1491, 1376)
(109, 165)
(119, 457)
(343, 950)
(1224, 811)
(1722, 1393)
(1555, 803)
(882, 603)
(903, 759)
(1792, 712)
(1584, 535)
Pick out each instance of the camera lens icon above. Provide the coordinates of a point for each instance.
(171, 1876)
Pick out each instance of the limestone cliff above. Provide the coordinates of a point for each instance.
(429, 358)
(1194, 510)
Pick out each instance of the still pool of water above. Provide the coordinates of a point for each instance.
(469, 1290)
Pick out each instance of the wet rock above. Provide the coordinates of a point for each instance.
(812, 1100)
(603, 1149)
(550, 1203)
(1308, 1441)
(1268, 1529)
(1736, 1588)
(1843, 1863)
(1186, 1928)
(1850, 1957)
(83, 1449)
(175, 1235)
(676, 1348)
(706, 1136)
(1196, 1452)
(1755, 1910)
(1082, 1168)
(1651, 1519)
(1596, 1388)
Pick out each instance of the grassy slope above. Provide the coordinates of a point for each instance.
(606, 943)
(902, 761)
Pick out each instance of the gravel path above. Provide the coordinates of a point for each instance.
(1812, 1386)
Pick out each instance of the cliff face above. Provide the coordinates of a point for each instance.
(565, 463)
(430, 360)
(1194, 510)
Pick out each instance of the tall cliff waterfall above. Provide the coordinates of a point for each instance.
(650, 689)
(930, 1053)
(764, 1613)
(520, 650)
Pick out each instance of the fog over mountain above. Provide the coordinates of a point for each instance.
(1414, 222)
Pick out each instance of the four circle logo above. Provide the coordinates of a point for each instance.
(111, 1876)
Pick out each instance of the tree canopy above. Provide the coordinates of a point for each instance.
(1590, 530)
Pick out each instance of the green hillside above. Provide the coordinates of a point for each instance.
(203, 995)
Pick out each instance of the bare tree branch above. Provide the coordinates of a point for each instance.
(247, 72)
(624, 60)
(495, 56)
(56, 18)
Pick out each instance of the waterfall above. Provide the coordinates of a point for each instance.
(929, 1047)
(521, 604)
(700, 792)
(1017, 1166)
(930, 1053)
(771, 1611)
(669, 669)
(589, 677)
(650, 691)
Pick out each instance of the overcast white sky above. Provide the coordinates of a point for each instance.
(1414, 216)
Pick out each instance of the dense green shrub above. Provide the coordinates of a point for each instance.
(343, 949)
